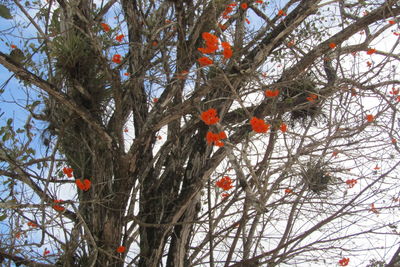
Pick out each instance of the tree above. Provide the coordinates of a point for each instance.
(187, 133)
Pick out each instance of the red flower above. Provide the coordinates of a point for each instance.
(32, 224)
(371, 51)
(244, 6)
(84, 186)
(225, 183)
(332, 45)
(247, 20)
(105, 27)
(369, 118)
(392, 22)
(225, 195)
(13, 46)
(211, 43)
(119, 37)
(58, 207)
(127, 74)
(259, 1)
(121, 249)
(155, 100)
(215, 138)
(210, 116)
(288, 191)
(394, 91)
(117, 59)
(205, 61)
(271, 93)
(351, 182)
(283, 127)
(46, 252)
(68, 171)
(312, 97)
(394, 141)
(281, 13)
(259, 125)
(377, 168)
(227, 50)
(344, 262)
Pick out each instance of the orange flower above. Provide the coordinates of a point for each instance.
(247, 20)
(312, 97)
(205, 61)
(13, 46)
(351, 182)
(119, 37)
(121, 249)
(222, 26)
(32, 224)
(117, 59)
(215, 138)
(369, 64)
(335, 153)
(227, 50)
(259, 125)
(271, 93)
(392, 22)
(210, 116)
(127, 74)
(68, 171)
(58, 207)
(225, 183)
(344, 261)
(288, 191)
(244, 6)
(105, 27)
(126, 130)
(281, 13)
(84, 186)
(259, 1)
(290, 43)
(371, 51)
(377, 168)
(369, 118)
(332, 45)
(225, 195)
(283, 127)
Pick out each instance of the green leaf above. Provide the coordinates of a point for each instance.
(5, 12)
(3, 217)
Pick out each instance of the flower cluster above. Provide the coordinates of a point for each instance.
(312, 97)
(211, 45)
(210, 116)
(369, 118)
(371, 51)
(283, 127)
(83, 185)
(216, 138)
(259, 125)
(121, 249)
(351, 182)
(68, 171)
(56, 206)
(344, 262)
(225, 183)
(105, 27)
(271, 93)
(117, 59)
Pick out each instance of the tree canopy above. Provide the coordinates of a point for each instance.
(199, 133)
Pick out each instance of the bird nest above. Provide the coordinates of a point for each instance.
(296, 92)
(317, 178)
